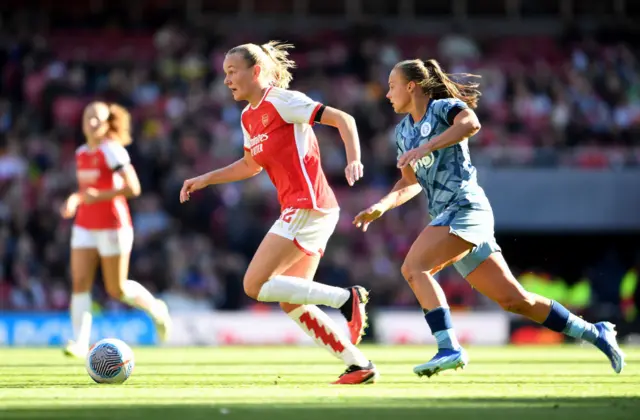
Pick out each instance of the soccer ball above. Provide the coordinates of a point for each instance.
(110, 361)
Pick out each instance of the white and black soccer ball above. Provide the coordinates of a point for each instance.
(110, 361)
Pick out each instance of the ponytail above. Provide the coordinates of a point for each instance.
(273, 57)
(279, 56)
(438, 84)
(120, 123)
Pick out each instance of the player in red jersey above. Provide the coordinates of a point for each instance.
(279, 138)
(102, 232)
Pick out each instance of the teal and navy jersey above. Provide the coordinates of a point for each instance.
(447, 176)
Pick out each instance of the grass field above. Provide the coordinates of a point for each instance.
(288, 382)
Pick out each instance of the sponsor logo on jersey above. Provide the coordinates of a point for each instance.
(258, 139)
(425, 162)
(255, 143)
(88, 176)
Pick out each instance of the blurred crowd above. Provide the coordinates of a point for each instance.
(546, 102)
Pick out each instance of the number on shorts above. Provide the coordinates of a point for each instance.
(287, 215)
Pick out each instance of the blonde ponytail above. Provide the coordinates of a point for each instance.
(278, 54)
(273, 57)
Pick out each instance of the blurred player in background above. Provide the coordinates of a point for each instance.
(433, 155)
(102, 233)
(279, 138)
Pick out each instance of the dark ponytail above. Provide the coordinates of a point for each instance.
(438, 84)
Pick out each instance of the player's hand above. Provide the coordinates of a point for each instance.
(191, 185)
(412, 156)
(70, 205)
(354, 171)
(365, 217)
(89, 196)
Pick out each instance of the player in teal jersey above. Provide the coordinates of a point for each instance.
(433, 155)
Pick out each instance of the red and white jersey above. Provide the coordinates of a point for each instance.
(279, 136)
(98, 168)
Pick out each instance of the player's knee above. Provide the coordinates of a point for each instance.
(288, 307)
(406, 271)
(82, 284)
(518, 303)
(410, 272)
(252, 287)
(114, 290)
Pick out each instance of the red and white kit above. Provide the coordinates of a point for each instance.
(105, 225)
(279, 136)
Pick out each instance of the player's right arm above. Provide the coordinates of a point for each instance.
(241, 169)
(70, 205)
(404, 190)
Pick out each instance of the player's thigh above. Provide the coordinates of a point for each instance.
(84, 263)
(313, 234)
(494, 279)
(304, 269)
(274, 256)
(434, 249)
(114, 246)
(84, 259)
(115, 270)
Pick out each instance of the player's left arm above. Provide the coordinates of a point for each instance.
(131, 186)
(346, 125)
(298, 108)
(119, 162)
(464, 125)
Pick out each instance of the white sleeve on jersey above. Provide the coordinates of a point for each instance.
(81, 149)
(115, 154)
(245, 135)
(294, 107)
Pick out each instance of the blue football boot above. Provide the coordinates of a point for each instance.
(608, 344)
(443, 360)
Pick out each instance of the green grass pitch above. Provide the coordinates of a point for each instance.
(515, 383)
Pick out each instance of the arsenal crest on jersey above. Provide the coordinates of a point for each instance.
(265, 119)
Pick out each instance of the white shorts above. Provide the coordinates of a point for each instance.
(309, 229)
(108, 242)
